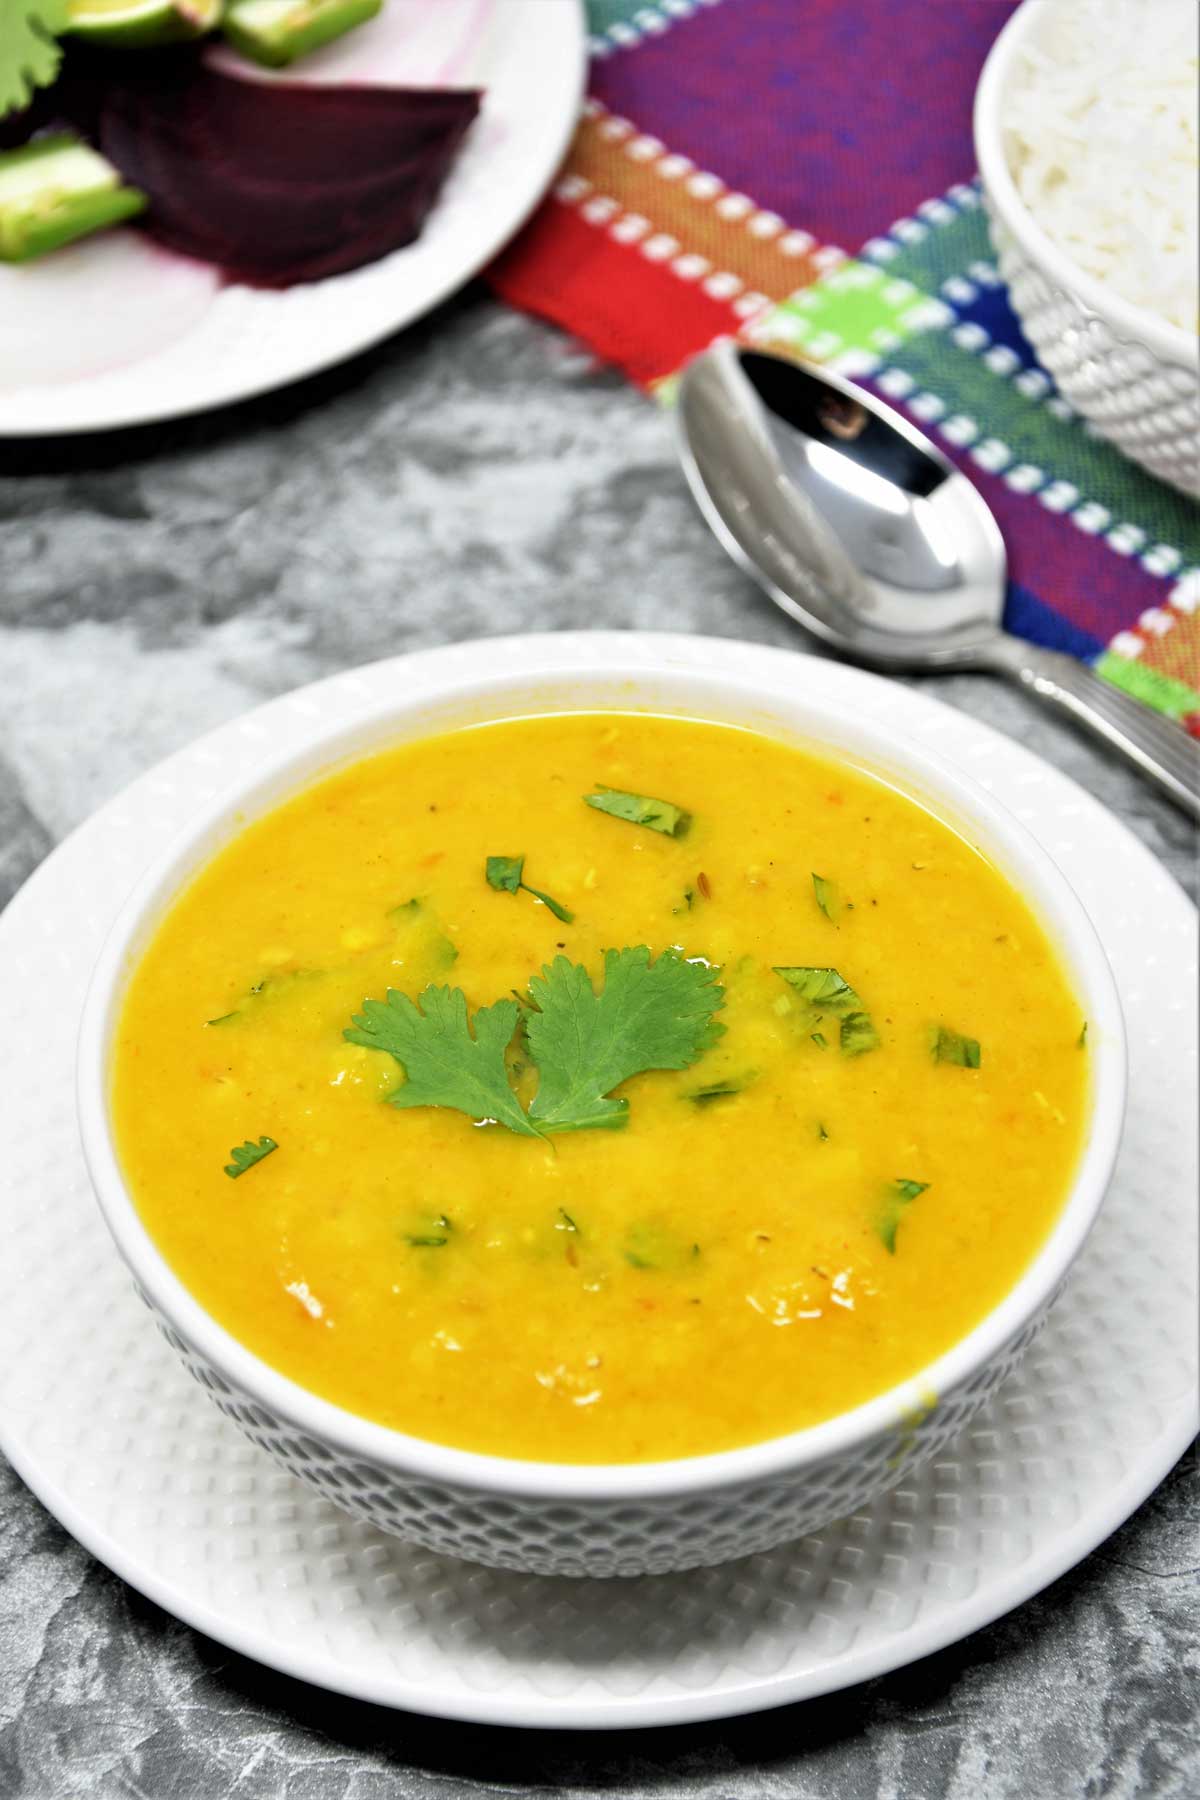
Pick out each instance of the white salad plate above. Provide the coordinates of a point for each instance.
(121, 333)
(101, 1420)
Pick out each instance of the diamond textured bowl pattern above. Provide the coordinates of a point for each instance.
(1147, 407)
(649, 1536)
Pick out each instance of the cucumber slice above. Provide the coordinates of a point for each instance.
(55, 190)
(276, 32)
(142, 24)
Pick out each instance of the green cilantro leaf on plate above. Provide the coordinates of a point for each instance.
(640, 809)
(648, 1015)
(29, 52)
(443, 1063)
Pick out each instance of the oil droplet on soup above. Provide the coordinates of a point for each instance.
(793, 1136)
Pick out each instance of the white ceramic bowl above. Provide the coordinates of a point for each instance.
(1132, 374)
(632, 1518)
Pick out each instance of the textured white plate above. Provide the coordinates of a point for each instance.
(210, 344)
(105, 1426)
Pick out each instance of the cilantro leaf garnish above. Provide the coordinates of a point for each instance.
(826, 896)
(640, 809)
(505, 873)
(435, 1237)
(444, 1065)
(825, 991)
(721, 1089)
(824, 988)
(649, 1015)
(857, 1034)
(244, 1156)
(951, 1047)
(29, 53)
(900, 1194)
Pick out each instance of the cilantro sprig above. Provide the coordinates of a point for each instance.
(649, 1014)
(29, 52)
(444, 1063)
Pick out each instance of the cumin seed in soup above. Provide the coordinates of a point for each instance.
(599, 1088)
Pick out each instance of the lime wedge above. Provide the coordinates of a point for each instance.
(142, 24)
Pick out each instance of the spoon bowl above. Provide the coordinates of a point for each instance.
(863, 531)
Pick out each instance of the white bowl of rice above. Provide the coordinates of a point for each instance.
(1086, 136)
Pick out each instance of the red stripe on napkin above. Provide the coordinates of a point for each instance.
(633, 312)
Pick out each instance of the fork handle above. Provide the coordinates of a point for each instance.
(1159, 747)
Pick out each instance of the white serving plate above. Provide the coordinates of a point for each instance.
(182, 342)
(106, 1427)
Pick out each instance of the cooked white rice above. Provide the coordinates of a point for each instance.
(1100, 133)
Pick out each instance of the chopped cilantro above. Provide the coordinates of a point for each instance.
(828, 992)
(822, 987)
(421, 939)
(900, 1194)
(435, 1238)
(640, 809)
(689, 895)
(504, 873)
(244, 1156)
(444, 1065)
(951, 1047)
(1081, 1040)
(649, 1015)
(568, 1223)
(721, 1090)
(826, 896)
(857, 1034)
(820, 1040)
(649, 1245)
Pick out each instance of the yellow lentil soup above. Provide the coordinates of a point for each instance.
(599, 1088)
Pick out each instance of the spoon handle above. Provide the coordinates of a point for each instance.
(1159, 747)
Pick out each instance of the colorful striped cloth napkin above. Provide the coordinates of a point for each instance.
(800, 173)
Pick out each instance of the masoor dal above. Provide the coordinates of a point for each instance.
(787, 1227)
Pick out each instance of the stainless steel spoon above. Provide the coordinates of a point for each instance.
(861, 529)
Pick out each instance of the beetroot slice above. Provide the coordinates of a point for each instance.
(277, 182)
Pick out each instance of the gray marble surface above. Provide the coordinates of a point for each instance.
(480, 474)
